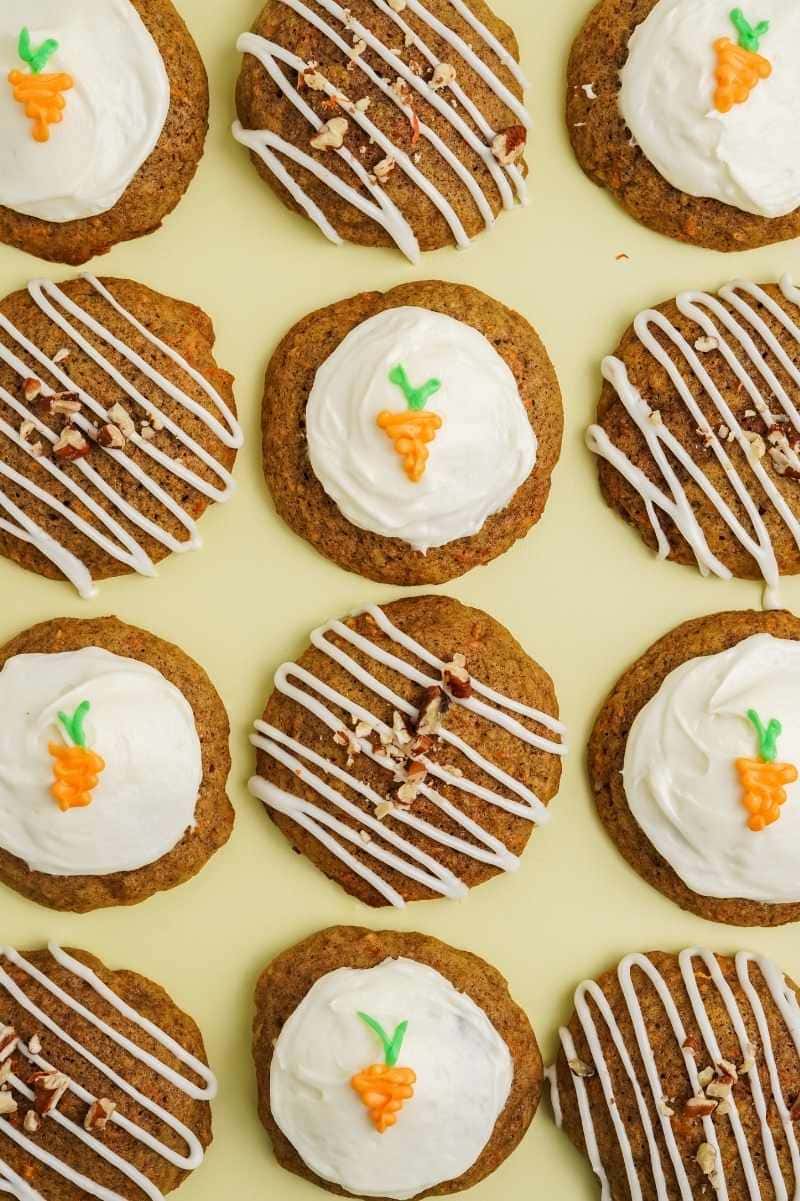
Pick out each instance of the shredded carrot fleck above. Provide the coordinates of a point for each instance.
(42, 98)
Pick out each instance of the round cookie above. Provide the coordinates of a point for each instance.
(387, 124)
(117, 428)
(685, 110)
(678, 1075)
(115, 753)
(124, 95)
(698, 431)
(104, 1082)
(694, 778)
(466, 1063)
(410, 750)
(411, 435)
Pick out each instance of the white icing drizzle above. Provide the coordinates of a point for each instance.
(763, 1078)
(106, 531)
(10, 1182)
(734, 335)
(269, 146)
(386, 843)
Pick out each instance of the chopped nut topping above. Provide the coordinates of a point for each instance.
(509, 146)
(443, 76)
(400, 729)
(25, 430)
(363, 104)
(363, 729)
(384, 169)
(758, 446)
(147, 432)
(35, 1045)
(7, 1103)
(60, 355)
(383, 810)
(32, 388)
(456, 679)
(700, 1106)
(723, 1109)
(397, 6)
(120, 417)
(704, 345)
(726, 1071)
(98, 1115)
(706, 1076)
(690, 1046)
(434, 706)
(8, 1041)
(49, 1088)
(402, 90)
(706, 1159)
(665, 1109)
(157, 423)
(359, 46)
(332, 134)
(749, 1060)
(111, 436)
(721, 1089)
(312, 78)
(655, 418)
(64, 405)
(588, 91)
(584, 1070)
(5, 1072)
(71, 445)
(347, 738)
(32, 1121)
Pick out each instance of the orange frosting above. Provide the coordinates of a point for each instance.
(384, 1091)
(763, 790)
(42, 98)
(411, 432)
(738, 71)
(76, 771)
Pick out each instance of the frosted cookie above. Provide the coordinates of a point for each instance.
(391, 1065)
(114, 747)
(698, 431)
(694, 762)
(686, 111)
(103, 117)
(104, 1082)
(679, 1076)
(386, 122)
(411, 435)
(117, 428)
(410, 751)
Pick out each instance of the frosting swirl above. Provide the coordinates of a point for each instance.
(748, 157)
(483, 451)
(114, 112)
(463, 1068)
(680, 774)
(141, 726)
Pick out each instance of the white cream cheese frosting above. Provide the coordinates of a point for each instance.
(142, 727)
(113, 117)
(748, 157)
(463, 1068)
(680, 775)
(484, 450)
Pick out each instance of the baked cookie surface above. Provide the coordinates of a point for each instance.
(460, 1017)
(678, 1076)
(693, 765)
(698, 430)
(125, 95)
(684, 114)
(117, 428)
(410, 750)
(411, 435)
(105, 1083)
(116, 752)
(386, 124)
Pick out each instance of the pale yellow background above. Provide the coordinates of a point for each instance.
(581, 594)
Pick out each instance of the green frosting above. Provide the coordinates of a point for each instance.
(767, 736)
(74, 725)
(36, 59)
(749, 36)
(416, 398)
(391, 1046)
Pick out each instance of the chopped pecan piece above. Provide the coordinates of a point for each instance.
(700, 1106)
(332, 134)
(111, 436)
(32, 1121)
(98, 1115)
(456, 679)
(49, 1088)
(8, 1041)
(71, 445)
(583, 1070)
(7, 1103)
(509, 145)
(434, 706)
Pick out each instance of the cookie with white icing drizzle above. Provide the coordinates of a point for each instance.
(410, 751)
(117, 428)
(685, 111)
(411, 435)
(678, 1076)
(115, 760)
(698, 431)
(386, 122)
(105, 1084)
(695, 760)
(428, 1073)
(122, 100)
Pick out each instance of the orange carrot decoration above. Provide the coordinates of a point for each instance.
(76, 769)
(412, 429)
(739, 65)
(384, 1088)
(763, 779)
(40, 94)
